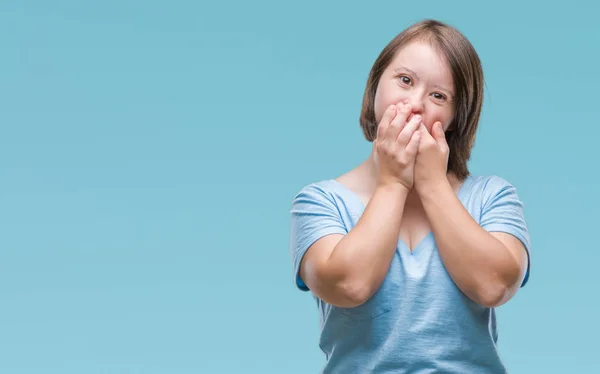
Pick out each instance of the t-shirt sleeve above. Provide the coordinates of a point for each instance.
(314, 214)
(502, 211)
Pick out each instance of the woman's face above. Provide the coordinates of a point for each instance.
(418, 75)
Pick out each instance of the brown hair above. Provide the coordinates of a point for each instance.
(467, 74)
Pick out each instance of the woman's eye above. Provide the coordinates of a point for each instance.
(404, 79)
(438, 96)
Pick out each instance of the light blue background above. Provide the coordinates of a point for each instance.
(150, 151)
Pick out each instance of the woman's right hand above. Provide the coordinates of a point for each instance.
(396, 146)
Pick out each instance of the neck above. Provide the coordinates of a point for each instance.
(369, 171)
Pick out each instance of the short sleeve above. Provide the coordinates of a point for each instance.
(314, 214)
(502, 211)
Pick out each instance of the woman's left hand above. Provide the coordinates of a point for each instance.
(431, 164)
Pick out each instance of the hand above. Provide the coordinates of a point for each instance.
(431, 165)
(396, 146)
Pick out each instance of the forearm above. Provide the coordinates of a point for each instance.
(362, 258)
(480, 265)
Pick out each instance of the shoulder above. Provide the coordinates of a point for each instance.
(489, 185)
(324, 191)
(317, 188)
(489, 182)
(493, 191)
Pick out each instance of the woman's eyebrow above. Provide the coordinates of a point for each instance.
(443, 89)
(400, 69)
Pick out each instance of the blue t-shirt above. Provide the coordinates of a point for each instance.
(418, 321)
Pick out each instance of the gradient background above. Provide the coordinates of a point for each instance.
(150, 152)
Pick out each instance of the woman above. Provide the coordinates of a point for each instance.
(407, 255)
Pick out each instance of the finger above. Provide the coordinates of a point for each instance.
(423, 131)
(398, 123)
(413, 145)
(388, 115)
(405, 135)
(438, 133)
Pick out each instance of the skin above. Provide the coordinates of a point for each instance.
(408, 193)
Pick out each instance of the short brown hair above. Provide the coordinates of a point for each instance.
(467, 74)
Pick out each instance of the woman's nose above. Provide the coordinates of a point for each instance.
(416, 103)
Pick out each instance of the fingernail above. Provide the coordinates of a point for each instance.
(417, 118)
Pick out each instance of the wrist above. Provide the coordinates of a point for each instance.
(395, 188)
(433, 188)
